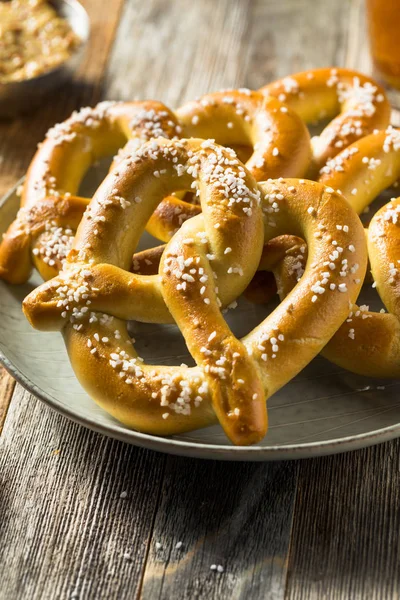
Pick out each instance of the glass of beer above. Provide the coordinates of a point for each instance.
(383, 17)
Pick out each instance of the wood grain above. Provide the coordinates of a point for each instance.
(174, 51)
(356, 55)
(345, 540)
(65, 531)
(7, 385)
(234, 515)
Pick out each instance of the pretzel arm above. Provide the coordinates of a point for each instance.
(355, 103)
(207, 264)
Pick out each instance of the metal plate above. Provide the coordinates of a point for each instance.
(323, 410)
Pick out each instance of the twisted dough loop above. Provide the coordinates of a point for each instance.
(362, 172)
(368, 342)
(45, 226)
(356, 104)
(278, 139)
(239, 117)
(207, 264)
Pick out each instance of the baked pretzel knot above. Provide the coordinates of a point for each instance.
(356, 104)
(275, 134)
(50, 213)
(368, 342)
(205, 266)
(271, 137)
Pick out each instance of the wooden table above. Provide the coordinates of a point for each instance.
(82, 516)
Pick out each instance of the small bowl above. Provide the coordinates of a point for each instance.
(20, 96)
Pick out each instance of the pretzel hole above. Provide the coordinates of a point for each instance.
(165, 344)
(243, 151)
(380, 200)
(316, 127)
(94, 177)
(370, 297)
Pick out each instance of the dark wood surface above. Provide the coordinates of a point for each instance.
(345, 537)
(83, 516)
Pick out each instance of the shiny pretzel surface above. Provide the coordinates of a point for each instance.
(368, 342)
(202, 269)
(246, 203)
(50, 213)
(355, 103)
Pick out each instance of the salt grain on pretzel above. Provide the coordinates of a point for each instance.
(370, 166)
(278, 141)
(42, 233)
(361, 172)
(356, 104)
(95, 294)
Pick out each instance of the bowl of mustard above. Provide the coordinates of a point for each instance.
(42, 43)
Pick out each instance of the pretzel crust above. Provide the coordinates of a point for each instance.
(93, 293)
(278, 139)
(368, 342)
(43, 231)
(362, 172)
(356, 104)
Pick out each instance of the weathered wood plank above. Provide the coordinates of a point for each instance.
(234, 515)
(175, 51)
(345, 540)
(65, 531)
(6, 390)
(356, 55)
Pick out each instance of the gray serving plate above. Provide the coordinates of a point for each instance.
(324, 410)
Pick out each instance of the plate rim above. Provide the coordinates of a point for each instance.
(189, 448)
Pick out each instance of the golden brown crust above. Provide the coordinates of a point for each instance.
(278, 139)
(368, 342)
(116, 200)
(366, 168)
(207, 264)
(356, 104)
(280, 143)
(56, 172)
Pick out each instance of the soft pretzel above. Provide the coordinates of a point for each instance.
(356, 104)
(50, 212)
(207, 264)
(362, 172)
(282, 263)
(279, 143)
(368, 342)
(366, 168)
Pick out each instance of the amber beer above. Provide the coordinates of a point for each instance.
(384, 33)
